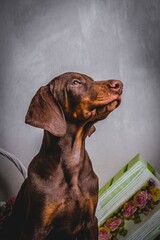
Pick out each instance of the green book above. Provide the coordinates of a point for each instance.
(129, 203)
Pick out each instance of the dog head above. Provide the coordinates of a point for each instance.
(73, 97)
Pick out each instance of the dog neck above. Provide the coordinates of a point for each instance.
(74, 137)
(70, 146)
(67, 151)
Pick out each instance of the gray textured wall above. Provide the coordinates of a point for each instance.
(102, 38)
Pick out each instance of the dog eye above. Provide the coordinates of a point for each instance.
(76, 82)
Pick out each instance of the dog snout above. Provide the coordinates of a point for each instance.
(116, 86)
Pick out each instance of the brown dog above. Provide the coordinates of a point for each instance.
(58, 199)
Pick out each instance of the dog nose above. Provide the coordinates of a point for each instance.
(116, 85)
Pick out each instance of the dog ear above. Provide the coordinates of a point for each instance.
(44, 112)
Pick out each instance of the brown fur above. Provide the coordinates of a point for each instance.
(58, 199)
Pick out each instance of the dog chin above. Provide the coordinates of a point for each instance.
(111, 106)
(108, 108)
(103, 111)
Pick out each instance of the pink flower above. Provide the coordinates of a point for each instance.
(10, 201)
(104, 233)
(113, 223)
(128, 209)
(141, 199)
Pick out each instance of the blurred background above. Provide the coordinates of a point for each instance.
(105, 39)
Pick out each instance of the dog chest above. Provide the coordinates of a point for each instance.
(69, 215)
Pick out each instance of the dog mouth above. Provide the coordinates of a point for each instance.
(108, 108)
(102, 111)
